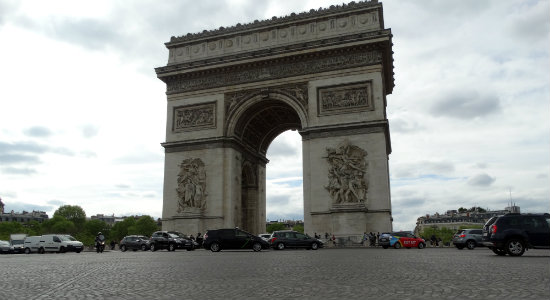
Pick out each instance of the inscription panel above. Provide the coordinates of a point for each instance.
(194, 117)
(345, 98)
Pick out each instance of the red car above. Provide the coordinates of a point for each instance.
(401, 239)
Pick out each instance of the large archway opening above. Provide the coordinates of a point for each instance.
(284, 178)
(265, 121)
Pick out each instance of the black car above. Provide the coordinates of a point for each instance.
(186, 241)
(292, 239)
(170, 241)
(514, 233)
(233, 238)
(134, 242)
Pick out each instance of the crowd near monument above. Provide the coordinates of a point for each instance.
(325, 73)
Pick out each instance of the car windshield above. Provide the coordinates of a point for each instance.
(4, 243)
(68, 238)
(173, 235)
(16, 242)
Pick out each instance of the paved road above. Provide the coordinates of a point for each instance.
(366, 273)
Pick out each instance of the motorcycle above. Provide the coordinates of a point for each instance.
(100, 244)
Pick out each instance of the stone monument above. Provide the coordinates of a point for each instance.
(231, 91)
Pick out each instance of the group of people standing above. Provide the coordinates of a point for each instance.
(371, 238)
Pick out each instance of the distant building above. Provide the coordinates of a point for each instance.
(110, 220)
(453, 220)
(21, 217)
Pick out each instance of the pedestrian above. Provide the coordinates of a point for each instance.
(326, 236)
(433, 240)
(113, 245)
(365, 238)
(333, 240)
(372, 238)
(377, 238)
(191, 237)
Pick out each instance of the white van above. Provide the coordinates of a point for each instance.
(60, 243)
(17, 241)
(33, 244)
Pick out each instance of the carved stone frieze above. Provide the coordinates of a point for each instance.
(297, 92)
(275, 69)
(347, 175)
(194, 117)
(191, 188)
(345, 98)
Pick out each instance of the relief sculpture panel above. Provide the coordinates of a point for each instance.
(345, 98)
(194, 117)
(191, 188)
(347, 174)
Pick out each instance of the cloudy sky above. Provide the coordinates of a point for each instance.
(82, 114)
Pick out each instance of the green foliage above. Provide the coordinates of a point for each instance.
(274, 227)
(470, 227)
(73, 213)
(444, 233)
(299, 228)
(92, 227)
(7, 228)
(120, 229)
(462, 210)
(145, 225)
(59, 224)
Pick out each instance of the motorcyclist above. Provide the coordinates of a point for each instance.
(99, 242)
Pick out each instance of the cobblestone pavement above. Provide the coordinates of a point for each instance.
(366, 273)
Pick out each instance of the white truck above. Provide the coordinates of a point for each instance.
(17, 241)
(33, 244)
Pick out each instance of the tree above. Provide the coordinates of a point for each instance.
(7, 228)
(73, 213)
(59, 224)
(462, 210)
(299, 228)
(275, 226)
(145, 225)
(120, 229)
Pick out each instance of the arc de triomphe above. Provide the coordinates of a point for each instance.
(231, 91)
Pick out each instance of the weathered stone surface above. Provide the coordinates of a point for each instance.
(230, 92)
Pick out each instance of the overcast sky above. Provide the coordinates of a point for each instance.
(82, 114)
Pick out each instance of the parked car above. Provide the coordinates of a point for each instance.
(187, 242)
(469, 238)
(134, 242)
(170, 241)
(5, 247)
(292, 239)
(401, 239)
(232, 238)
(514, 233)
(265, 236)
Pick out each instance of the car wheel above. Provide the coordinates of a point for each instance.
(421, 246)
(280, 246)
(27, 251)
(470, 244)
(215, 247)
(498, 251)
(41, 251)
(515, 247)
(62, 250)
(459, 247)
(153, 247)
(397, 245)
(171, 247)
(314, 246)
(78, 251)
(143, 247)
(257, 247)
(385, 247)
(123, 248)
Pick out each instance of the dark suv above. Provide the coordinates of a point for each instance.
(170, 241)
(469, 238)
(291, 239)
(233, 238)
(514, 233)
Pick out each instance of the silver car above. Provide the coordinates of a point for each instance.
(5, 247)
(469, 238)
